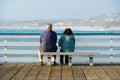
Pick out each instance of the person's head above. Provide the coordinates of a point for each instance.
(49, 27)
(68, 31)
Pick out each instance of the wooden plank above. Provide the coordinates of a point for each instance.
(82, 52)
(45, 53)
(55, 73)
(23, 72)
(18, 51)
(32, 75)
(19, 44)
(5, 69)
(37, 72)
(100, 73)
(76, 36)
(12, 72)
(111, 72)
(44, 73)
(117, 69)
(67, 73)
(72, 53)
(77, 44)
(2, 66)
(97, 36)
(89, 73)
(22, 60)
(19, 36)
(77, 52)
(78, 73)
(97, 44)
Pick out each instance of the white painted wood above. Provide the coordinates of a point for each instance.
(97, 44)
(5, 49)
(49, 53)
(19, 36)
(101, 51)
(70, 60)
(91, 60)
(19, 52)
(71, 53)
(19, 44)
(49, 60)
(103, 60)
(76, 36)
(78, 60)
(77, 44)
(21, 59)
(79, 52)
(97, 36)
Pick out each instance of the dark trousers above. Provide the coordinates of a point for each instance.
(62, 59)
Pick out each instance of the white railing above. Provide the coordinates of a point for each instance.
(22, 48)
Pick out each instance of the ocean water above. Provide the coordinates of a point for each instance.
(38, 31)
(76, 32)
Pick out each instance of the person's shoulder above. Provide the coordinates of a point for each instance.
(53, 32)
(72, 35)
(43, 32)
(62, 36)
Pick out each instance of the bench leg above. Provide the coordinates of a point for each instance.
(49, 60)
(70, 61)
(91, 60)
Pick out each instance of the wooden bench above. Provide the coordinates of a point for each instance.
(86, 53)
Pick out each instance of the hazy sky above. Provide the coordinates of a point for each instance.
(55, 9)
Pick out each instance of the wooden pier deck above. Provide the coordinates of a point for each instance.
(75, 72)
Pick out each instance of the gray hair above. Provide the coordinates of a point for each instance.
(49, 27)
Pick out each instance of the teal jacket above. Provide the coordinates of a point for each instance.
(67, 43)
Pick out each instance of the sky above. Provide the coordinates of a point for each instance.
(20, 10)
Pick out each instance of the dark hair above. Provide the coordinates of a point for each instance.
(69, 30)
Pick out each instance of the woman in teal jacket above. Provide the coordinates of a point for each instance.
(67, 44)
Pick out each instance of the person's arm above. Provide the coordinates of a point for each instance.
(60, 41)
(41, 40)
(55, 38)
(74, 40)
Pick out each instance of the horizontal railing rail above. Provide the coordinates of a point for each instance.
(22, 47)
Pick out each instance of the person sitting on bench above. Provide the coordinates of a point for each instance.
(48, 40)
(67, 44)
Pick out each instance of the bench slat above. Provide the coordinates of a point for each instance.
(71, 53)
(79, 52)
(77, 44)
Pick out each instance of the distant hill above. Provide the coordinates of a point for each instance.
(109, 21)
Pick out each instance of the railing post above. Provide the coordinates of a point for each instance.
(70, 60)
(91, 60)
(5, 49)
(111, 49)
